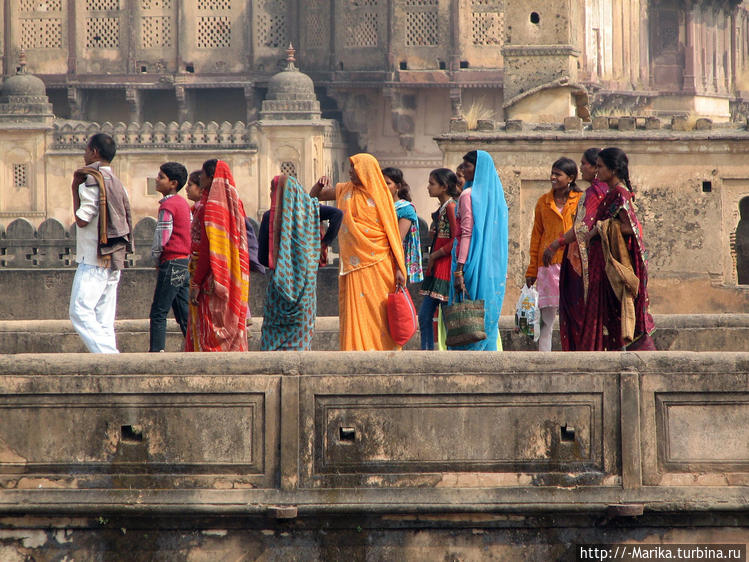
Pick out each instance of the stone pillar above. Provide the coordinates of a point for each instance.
(618, 38)
(455, 35)
(456, 102)
(133, 97)
(690, 53)
(251, 103)
(334, 11)
(182, 109)
(645, 71)
(7, 45)
(75, 103)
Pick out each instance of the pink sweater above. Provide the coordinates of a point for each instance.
(465, 212)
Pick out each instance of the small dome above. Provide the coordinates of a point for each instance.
(23, 83)
(291, 83)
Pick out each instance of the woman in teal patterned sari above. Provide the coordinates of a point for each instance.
(408, 222)
(293, 258)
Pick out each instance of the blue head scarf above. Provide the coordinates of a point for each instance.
(485, 270)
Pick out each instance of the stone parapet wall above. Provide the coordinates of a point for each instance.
(375, 433)
(370, 456)
(173, 135)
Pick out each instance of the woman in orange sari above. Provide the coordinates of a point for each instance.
(220, 270)
(371, 255)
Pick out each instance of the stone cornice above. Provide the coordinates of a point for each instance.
(540, 51)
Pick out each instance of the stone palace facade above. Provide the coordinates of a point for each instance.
(198, 79)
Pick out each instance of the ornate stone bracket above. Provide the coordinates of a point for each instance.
(355, 107)
(74, 102)
(251, 100)
(403, 114)
(132, 95)
(181, 95)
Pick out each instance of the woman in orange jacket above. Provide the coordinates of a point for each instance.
(554, 215)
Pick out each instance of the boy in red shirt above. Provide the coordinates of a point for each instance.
(171, 250)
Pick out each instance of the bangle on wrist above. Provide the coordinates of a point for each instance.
(561, 241)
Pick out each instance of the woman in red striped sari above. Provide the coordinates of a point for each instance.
(220, 278)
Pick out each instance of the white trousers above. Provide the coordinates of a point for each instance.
(548, 313)
(93, 304)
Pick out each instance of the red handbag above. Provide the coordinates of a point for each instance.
(402, 319)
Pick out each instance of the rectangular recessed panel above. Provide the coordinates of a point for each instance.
(703, 429)
(457, 433)
(133, 433)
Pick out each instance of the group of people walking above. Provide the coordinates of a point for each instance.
(205, 253)
(588, 259)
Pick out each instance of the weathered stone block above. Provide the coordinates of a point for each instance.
(458, 125)
(573, 123)
(514, 125)
(600, 122)
(703, 124)
(485, 125)
(680, 123)
(626, 123)
(652, 123)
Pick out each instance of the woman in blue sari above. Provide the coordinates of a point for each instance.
(480, 253)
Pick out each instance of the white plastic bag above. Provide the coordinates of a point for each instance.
(527, 313)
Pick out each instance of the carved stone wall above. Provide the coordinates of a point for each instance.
(513, 456)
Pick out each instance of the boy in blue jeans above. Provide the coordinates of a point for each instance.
(171, 250)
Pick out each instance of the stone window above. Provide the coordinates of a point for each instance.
(271, 25)
(156, 4)
(487, 29)
(214, 32)
(272, 30)
(41, 33)
(487, 23)
(20, 176)
(40, 5)
(422, 28)
(155, 31)
(214, 4)
(102, 5)
(362, 28)
(316, 30)
(102, 33)
(288, 168)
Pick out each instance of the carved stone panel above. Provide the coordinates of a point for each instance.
(694, 429)
(699, 432)
(419, 430)
(412, 434)
(143, 434)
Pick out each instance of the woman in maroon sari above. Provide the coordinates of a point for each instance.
(573, 278)
(617, 313)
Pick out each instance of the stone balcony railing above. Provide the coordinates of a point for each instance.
(176, 136)
(52, 245)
